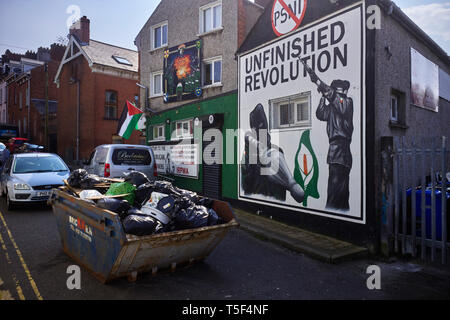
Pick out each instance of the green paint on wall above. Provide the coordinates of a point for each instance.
(226, 105)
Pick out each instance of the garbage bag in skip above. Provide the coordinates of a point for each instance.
(166, 205)
(143, 194)
(141, 225)
(120, 207)
(150, 210)
(136, 178)
(192, 217)
(122, 188)
(213, 218)
(89, 194)
(76, 177)
(90, 181)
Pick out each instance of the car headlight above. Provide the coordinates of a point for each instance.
(21, 186)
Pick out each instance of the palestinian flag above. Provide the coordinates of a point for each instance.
(128, 120)
(306, 171)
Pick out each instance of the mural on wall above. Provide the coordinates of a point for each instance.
(309, 92)
(182, 72)
(261, 153)
(336, 109)
(424, 82)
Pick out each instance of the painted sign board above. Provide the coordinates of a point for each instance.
(182, 72)
(424, 82)
(302, 119)
(287, 15)
(178, 160)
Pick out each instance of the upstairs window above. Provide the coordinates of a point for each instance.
(156, 84)
(111, 105)
(211, 17)
(159, 35)
(212, 72)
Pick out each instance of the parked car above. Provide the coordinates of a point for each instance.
(4, 155)
(28, 147)
(15, 143)
(30, 177)
(115, 160)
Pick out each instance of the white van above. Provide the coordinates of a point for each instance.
(116, 160)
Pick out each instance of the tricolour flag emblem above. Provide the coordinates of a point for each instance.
(306, 171)
(128, 121)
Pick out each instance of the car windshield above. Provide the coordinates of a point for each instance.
(2, 146)
(39, 164)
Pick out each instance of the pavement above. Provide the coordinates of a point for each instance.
(315, 245)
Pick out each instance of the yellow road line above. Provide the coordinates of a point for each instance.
(18, 288)
(22, 261)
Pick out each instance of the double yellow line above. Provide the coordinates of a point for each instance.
(22, 262)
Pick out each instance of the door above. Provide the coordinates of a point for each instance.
(212, 173)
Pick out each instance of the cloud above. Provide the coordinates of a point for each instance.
(434, 19)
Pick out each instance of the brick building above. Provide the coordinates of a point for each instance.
(26, 98)
(95, 80)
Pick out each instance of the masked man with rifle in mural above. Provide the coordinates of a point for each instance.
(336, 108)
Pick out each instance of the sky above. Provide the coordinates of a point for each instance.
(30, 24)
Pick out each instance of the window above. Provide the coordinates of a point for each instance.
(1, 95)
(132, 156)
(122, 60)
(212, 72)
(157, 83)
(293, 111)
(25, 125)
(211, 17)
(159, 35)
(397, 109)
(111, 105)
(158, 133)
(394, 108)
(20, 100)
(184, 129)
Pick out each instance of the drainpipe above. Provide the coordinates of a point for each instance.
(78, 120)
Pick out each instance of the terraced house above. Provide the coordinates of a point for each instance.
(188, 70)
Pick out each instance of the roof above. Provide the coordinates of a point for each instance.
(102, 54)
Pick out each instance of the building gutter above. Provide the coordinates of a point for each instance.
(391, 9)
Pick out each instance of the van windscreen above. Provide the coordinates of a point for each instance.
(131, 157)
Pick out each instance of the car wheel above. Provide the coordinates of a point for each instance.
(9, 203)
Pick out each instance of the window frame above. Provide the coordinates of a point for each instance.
(152, 35)
(152, 84)
(212, 61)
(201, 19)
(294, 100)
(109, 105)
(159, 137)
(395, 118)
(183, 136)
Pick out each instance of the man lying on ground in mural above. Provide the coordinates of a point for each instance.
(336, 108)
(263, 167)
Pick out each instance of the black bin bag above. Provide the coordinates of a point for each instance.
(141, 225)
(137, 178)
(143, 194)
(191, 218)
(120, 207)
(76, 177)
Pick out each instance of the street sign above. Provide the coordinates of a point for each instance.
(287, 15)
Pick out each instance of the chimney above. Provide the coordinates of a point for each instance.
(81, 30)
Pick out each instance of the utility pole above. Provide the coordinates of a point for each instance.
(46, 108)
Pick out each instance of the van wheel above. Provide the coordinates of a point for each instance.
(9, 204)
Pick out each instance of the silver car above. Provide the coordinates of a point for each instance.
(30, 177)
(116, 160)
